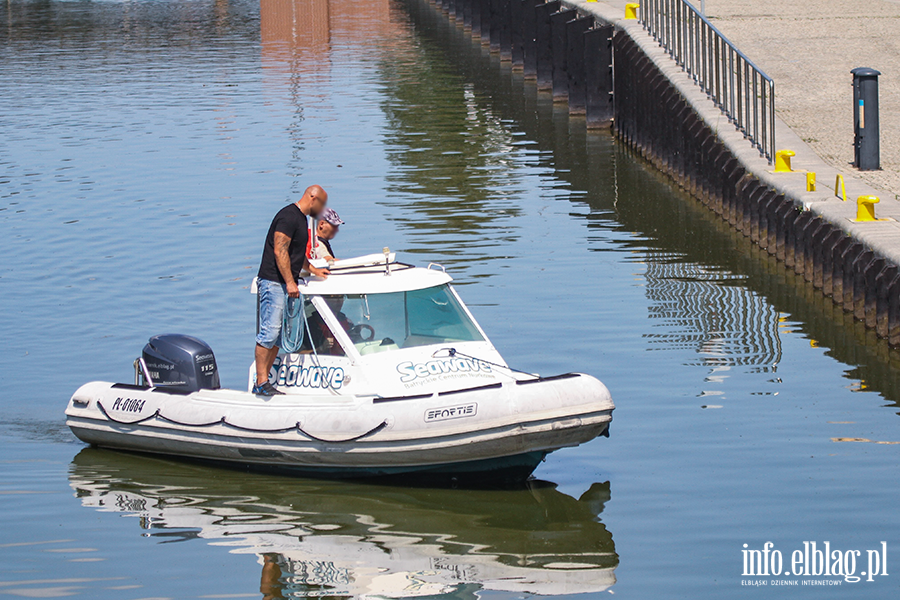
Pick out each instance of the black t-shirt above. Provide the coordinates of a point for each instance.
(290, 221)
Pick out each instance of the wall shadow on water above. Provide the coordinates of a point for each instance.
(346, 539)
(725, 296)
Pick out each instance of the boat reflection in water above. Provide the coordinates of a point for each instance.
(353, 539)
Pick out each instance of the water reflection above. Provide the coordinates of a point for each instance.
(295, 30)
(454, 183)
(727, 325)
(316, 538)
(304, 46)
(310, 29)
(712, 291)
(141, 24)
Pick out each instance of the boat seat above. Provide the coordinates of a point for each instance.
(375, 346)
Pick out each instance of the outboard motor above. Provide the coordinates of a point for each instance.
(181, 362)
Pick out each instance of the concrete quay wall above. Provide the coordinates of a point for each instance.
(610, 69)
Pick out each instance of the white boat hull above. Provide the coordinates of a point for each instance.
(503, 427)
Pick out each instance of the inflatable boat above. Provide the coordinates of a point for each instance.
(384, 372)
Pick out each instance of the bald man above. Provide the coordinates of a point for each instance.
(285, 254)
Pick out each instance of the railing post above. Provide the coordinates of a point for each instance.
(772, 123)
(747, 108)
(716, 80)
(763, 105)
(739, 115)
(705, 48)
(732, 79)
(755, 109)
(678, 37)
(665, 31)
(695, 46)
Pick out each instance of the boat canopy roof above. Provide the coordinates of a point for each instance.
(373, 274)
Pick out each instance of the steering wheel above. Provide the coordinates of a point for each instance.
(355, 333)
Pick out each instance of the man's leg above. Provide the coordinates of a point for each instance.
(265, 358)
(272, 297)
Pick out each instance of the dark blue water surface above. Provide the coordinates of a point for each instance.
(145, 146)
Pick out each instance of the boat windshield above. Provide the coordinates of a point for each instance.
(383, 322)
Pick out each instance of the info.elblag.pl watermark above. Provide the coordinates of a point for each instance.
(814, 564)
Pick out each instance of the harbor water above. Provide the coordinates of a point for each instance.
(145, 147)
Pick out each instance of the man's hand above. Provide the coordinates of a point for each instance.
(323, 273)
(292, 290)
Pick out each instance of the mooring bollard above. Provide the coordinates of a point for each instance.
(783, 161)
(631, 10)
(866, 144)
(810, 182)
(865, 208)
(839, 185)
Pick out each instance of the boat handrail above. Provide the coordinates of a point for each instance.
(367, 269)
(436, 265)
(140, 369)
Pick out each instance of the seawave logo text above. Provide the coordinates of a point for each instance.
(451, 412)
(308, 377)
(441, 366)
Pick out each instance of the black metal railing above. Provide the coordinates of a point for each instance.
(740, 88)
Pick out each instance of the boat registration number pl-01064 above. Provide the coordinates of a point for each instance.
(451, 412)
(128, 404)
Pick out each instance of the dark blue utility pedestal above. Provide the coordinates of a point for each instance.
(866, 144)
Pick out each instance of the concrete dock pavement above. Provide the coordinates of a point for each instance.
(809, 48)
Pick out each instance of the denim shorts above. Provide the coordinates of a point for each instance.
(272, 298)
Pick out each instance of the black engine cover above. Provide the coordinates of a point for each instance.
(181, 362)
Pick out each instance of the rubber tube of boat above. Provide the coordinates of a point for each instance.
(387, 260)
